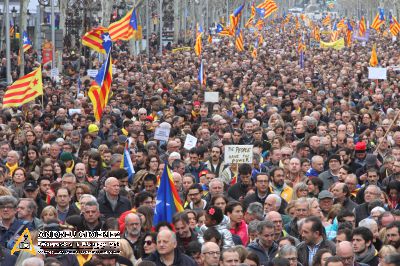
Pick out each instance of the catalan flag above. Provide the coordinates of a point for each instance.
(198, 45)
(223, 31)
(252, 16)
(349, 33)
(26, 42)
(24, 90)
(100, 89)
(326, 21)
(297, 23)
(316, 34)
(239, 44)
(209, 38)
(379, 20)
(260, 24)
(124, 29)
(126, 162)
(98, 39)
(373, 61)
(362, 27)
(394, 26)
(301, 48)
(340, 24)
(334, 33)
(12, 28)
(269, 7)
(202, 76)
(167, 199)
(235, 17)
(254, 52)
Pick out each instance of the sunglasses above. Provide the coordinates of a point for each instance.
(148, 242)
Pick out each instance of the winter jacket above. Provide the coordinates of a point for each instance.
(222, 228)
(241, 231)
(302, 250)
(370, 257)
(292, 229)
(263, 256)
(106, 210)
(180, 259)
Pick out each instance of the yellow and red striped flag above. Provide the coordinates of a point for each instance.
(239, 44)
(316, 34)
(97, 39)
(341, 24)
(24, 90)
(379, 20)
(269, 7)
(198, 45)
(124, 29)
(253, 14)
(326, 21)
(394, 26)
(362, 28)
(373, 61)
(99, 91)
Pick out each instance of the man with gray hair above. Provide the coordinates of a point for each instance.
(254, 212)
(372, 192)
(133, 227)
(27, 211)
(10, 226)
(33, 262)
(210, 253)
(265, 247)
(167, 253)
(112, 204)
(372, 225)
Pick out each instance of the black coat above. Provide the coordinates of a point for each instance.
(180, 259)
(361, 212)
(106, 210)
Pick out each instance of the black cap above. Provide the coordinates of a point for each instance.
(30, 185)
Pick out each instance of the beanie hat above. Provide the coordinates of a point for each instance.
(66, 156)
(93, 128)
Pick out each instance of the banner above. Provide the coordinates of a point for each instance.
(47, 52)
(337, 45)
(238, 154)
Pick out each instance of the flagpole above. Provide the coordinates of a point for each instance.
(53, 35)
(161, 26)
(147, 30)
(7, 34)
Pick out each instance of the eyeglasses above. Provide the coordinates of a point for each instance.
(212, 253)
(347, 258)
(148, 242)
(7, 207)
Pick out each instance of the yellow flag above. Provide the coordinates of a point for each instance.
(373, 61)
(337, 45)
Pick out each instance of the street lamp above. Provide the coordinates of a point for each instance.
(14, 15)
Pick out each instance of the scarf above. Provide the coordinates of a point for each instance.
(368, 255)
(11, 168)
(124, 131)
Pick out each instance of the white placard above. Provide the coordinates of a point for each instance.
(377, 73)
(162, 133)
(54, 72)
(238, 154)
(394, 38)
(190, 142)
(211, 96)
(74, 111)
(92, 72)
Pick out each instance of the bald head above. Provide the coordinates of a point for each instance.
(344, 249)
(209, 246)
(167, 234)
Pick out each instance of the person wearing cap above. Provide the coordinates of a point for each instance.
(68, 160)
(325, 199)
(195, 113)
(360, 150)
(330, 176)
(93, 131)
(31, 190)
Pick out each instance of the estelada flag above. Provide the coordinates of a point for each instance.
(24, 90)
(373, 61)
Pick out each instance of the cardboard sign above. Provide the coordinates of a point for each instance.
(377, 73)
(74, 111)
(211, 96)
(54, 72)
(238, 154)
(190, 142)
(92, 73)
(162, 133)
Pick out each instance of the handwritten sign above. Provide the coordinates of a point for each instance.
(211, 96)
(377, 73)
(238, 153)
(92, 73)
(190, 142)
(162, 133)
(54, 72)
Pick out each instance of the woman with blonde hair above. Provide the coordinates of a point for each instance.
(300, 190)
(5, 191)
(386, 250)
(126, 250)
(48, 213)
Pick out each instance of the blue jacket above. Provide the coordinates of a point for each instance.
(9, 236)
(263, 256)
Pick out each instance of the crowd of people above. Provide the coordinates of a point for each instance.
(322, 189)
